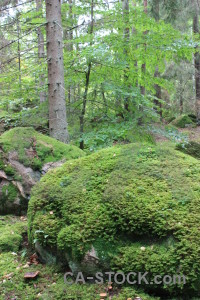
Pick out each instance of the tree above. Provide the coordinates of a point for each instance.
(41, 53)
(56, 90)
(156, 13)
(197, 58)
(144, 64)
(126, 46)
(87, 80)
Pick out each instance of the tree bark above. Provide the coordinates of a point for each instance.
(197, 59)
(87, 81)
(144, 65)
(56, 90)
(158, 95)
(19, 51)
(181, 96)
(41, 55)
(126, 47)
(68, 35)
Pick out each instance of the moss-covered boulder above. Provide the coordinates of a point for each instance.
(137, 206)
(24, 156)
(185, 121)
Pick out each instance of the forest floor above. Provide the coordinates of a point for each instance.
(193, 133)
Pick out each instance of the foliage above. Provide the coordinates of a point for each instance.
(36, 117)
(108, 134)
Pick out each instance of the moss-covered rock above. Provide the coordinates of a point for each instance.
(191, 148)
(184, 121)
(23, 155)
(137, 206)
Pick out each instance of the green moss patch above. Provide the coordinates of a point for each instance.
(11, 233)
(184, 121)
(35, 149)
(128, 198)
(49, 285)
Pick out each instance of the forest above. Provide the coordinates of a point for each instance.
(99, 149)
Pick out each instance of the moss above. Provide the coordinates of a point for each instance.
(9, 193)
(49, 285)
(3, 113)
(191, 148)
(35, 149)
(183, 121)
(7, 168)
(11, 233)
(122, 195)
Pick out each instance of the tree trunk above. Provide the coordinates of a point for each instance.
(68, 35)
(56, 90)
(181, 96)
(87, 81)
(41, 55)
(197, 59)
(126, 47)
(19, 51)
(158, 95)
(144, 65)
(104, 99)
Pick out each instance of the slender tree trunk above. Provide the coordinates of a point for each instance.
(197, 59)
(144, 65)
(56, 90)
(68, 34)
(87, 81)
(126, 47)
(104, 98)
(41, 55)
(19, 51)
(181, 96)
(136, 63)
(158, 95)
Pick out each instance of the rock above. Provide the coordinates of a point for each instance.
(29, 177)
(136, 207)
(26, 155)
(3, 175)
(51, 165)
(45, 256)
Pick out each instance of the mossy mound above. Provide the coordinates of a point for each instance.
(191, 148)
(184, 121)
(11, 233)
(137, 206)
(35, 149)
(23, 155)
